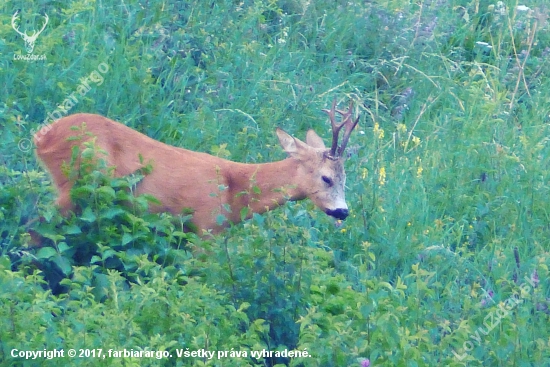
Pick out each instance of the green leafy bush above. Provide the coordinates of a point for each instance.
(447, 184)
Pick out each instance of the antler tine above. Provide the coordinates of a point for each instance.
(346, 123)
(335, 128)
(346, 114)
(349, 128)
(45, 24)
(13, 19)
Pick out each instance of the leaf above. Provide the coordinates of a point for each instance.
(54, 237)
(88, 215)
(179, 234)
(127, 238)
(63, 263)
(82, 191)
(386, 285)
(106, 192)
(72, 229)
(244, 212)
(111, 213)
(62, 246)
(5, 263)
(124, 195)
(400, 285)
(241, 193)
(46, 253)
(151, 199)
(259, 219)
(243, 307)
(220, 219)
(88, 153)
(107, 254)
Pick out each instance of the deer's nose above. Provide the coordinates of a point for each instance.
(338, 213)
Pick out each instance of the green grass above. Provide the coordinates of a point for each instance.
(447, 183)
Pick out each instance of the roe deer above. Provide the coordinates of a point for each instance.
(208, 185)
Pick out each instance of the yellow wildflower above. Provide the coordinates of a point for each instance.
(378, 132)
(382, 176)
(402, 128)
(419, 169)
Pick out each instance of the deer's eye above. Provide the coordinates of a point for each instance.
(328, 181)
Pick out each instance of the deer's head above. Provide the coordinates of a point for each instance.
(320, 171)
(29, 40)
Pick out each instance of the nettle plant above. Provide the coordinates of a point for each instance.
(112, 228)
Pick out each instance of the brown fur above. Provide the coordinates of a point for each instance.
(182, 178)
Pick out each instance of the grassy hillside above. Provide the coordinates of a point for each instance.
(443, 261)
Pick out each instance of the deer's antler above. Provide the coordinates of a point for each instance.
(15, 28)
(35, 35)
(43, 27)
(347, 123)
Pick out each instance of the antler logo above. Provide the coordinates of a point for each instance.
(29, 40)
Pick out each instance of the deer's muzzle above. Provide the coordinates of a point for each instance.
(338, 213)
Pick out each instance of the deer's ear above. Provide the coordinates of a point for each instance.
(314, 140)
(290, 144)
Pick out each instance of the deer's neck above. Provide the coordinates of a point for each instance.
(261, 187)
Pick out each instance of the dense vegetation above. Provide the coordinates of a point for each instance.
(444, 260)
